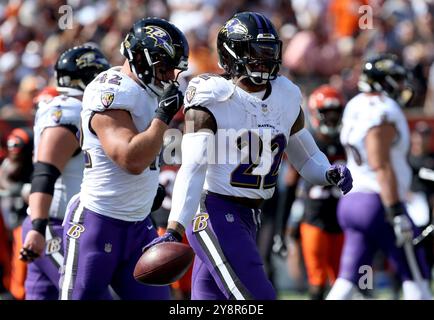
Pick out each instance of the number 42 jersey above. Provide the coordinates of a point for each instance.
(252, 133)
(106, 188)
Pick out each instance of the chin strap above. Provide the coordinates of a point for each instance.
(257, 77)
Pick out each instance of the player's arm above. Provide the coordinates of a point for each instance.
(57, 145)
(191, 175)
(311, 162)
(121, 141)
(378, 143)
(190, 178)
(282, 215)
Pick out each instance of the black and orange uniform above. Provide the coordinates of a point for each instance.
(321, 235)
(16, 171)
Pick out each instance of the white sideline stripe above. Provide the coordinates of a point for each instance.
(67, 280)
(220, 265)
(56, 255)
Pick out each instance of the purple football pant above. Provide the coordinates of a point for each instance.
(42, 279)
(362, 217)
(227, 264)
(100, 252)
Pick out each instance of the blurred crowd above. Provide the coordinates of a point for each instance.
(324, 41)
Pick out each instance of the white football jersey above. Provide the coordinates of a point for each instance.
(361, 114)
(61, 110)
(239, 115)
(107, 188)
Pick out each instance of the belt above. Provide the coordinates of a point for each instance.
(246, 202)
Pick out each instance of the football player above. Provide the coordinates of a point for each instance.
(58, 169)
(126, 111)
(263, 109)
(375, 135)
(320, 233)
(15, 175)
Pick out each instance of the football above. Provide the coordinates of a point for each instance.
(163, 263)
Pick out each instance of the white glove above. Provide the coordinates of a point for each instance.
(403, 229)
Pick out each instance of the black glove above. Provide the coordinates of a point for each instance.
(170, 102)
(159, 197)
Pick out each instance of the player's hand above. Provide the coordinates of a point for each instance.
(401, 223)
(340, 176)
(33, 246)
(169, 236)
(159, 197)
(403, 230)
(170, 102)
(279, 246)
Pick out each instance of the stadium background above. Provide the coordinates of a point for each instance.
(323, 41)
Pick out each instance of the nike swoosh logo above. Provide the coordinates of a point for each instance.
(149, 227)
(167, 103)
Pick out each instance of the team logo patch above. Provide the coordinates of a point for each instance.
(107, 98)
(189, 93)
(75, 231)
(200, 222)
(90, 60)
(162, 39)
(53, 245)
(234, 26)
(56, 115)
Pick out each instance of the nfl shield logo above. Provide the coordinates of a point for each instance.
(229, 217)
(107, 98)
(108, 247)
(264, 108)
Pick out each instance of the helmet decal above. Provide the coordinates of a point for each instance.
(153, 41)
(89, 59)
(162, 39)
(235, 26)
(78, 66)
(249, 46)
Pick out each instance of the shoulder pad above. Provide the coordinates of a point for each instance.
(386, 110)
(111, 90)
(288, 90)
(60, 110)
(206, 90)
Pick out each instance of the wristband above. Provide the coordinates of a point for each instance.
(39, 225)
(394, 210)
(163, 117)
(175, 234)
